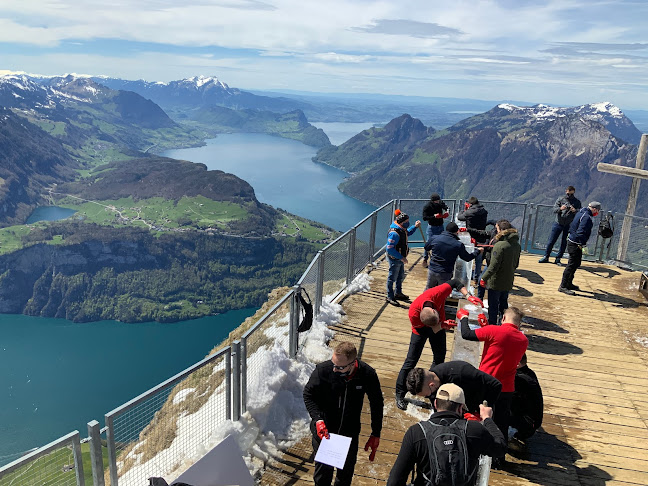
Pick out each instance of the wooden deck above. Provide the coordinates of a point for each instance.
(590, 353)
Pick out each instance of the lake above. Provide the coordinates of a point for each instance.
(283, 175)
(58, 375)
(49, 213)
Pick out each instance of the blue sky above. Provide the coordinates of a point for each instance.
(562, 52)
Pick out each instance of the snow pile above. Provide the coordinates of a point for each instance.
(362, 283)
(276, 416)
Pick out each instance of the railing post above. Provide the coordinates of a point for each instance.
(228, 385)
(236, 380)
(528, 229)
(78, 460)
(243, 373)
(372, 236)
(319, 286)
(350, 260)
(112, 452)
(295, 311)
(96, 455)
(535, 226)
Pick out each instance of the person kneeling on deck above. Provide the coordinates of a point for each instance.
(527, 404)
(477, 385)
(444, 249)
(334, 396)
(397, 251)
(445, 449)
(427, 316)
(504, 347)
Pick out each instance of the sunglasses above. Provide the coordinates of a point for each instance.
(339, 368)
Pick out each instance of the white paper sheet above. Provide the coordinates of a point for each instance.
(333, 451)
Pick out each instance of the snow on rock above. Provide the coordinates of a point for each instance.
(182, 394)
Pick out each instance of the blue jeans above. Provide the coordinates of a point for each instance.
(481, 291)
(556, 229)
(431, 231)
(478, 264)
(497, 304)
(396, 275)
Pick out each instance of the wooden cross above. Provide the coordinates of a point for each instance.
(637, 173)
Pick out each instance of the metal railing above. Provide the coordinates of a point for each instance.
(59, 463)
(157, 431)
(166, 418)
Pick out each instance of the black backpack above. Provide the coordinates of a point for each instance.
(307, 307)
(606, 226)
(448, 451)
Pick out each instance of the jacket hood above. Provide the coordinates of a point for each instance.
(508, 234)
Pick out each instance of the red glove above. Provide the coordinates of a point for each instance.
(462, 230)
(471, 416)
(322, 431)
(373, 442)
(438, 216)
(466, 205)
(445, 215)
(475, 300)
(482, 320)
(482, 283)
(448, 324)
(461, 313)
(473, 241)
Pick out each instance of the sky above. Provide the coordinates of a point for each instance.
(567, 52)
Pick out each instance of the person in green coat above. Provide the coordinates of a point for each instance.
(498, 277)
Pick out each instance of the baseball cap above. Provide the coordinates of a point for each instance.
(452, 392)
(595, 205)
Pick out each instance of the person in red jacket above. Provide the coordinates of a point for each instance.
(504, 347)
(427, 316)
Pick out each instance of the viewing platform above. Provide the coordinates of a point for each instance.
(590, 353)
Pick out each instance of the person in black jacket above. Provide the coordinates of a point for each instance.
(476, 218)
(434, 212)
(482, 438)
(445, 248)
(334, 396)
(477, 385)
(528, 404)
(565, 209)
(579, 232)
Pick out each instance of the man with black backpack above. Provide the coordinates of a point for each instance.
(445, 449)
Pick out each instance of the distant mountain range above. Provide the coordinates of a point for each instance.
(509, 153)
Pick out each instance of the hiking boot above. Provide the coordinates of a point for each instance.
(392, 301)
(557, 262)
(401, 403)
(401, 296)
(574, 287)
(567, 291)
(544, 260)
(425, 264)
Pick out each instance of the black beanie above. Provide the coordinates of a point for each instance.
(435, 197)
(401, 218)
(452, 227)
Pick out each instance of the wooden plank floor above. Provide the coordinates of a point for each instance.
(590, 354)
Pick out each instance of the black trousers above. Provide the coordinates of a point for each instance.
(417, 343)
(502, 412)
(323, 475)
(524, 426)
(575, 258)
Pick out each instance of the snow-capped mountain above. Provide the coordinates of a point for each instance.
(605, 113)
(201, 91)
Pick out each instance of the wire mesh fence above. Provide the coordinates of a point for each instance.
(384, 218)
(336, 264)
(56, 464)
(636, 253)
(270, 332)
(170, 425)
(516, 213)
(363, 250)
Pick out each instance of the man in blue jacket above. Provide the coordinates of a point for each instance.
(565, 209)
(444, 250)
(397, 251)
(579, 233)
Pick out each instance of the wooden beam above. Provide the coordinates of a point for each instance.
(632, 200)
(622, 170)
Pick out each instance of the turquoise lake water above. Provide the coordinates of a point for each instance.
(49, 213)
(57, 375)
